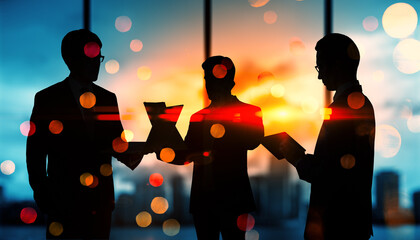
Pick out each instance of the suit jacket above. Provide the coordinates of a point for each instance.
(56, 161)
(340, 171)
(220, 176)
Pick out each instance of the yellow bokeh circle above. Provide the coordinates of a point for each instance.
(159, 205)
(143, 219)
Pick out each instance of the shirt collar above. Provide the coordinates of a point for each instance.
(77, 89)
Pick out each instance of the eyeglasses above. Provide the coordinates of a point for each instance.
(317, 68)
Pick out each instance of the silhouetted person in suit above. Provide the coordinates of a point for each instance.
(217, 141)
(340, 170)
(77, 130)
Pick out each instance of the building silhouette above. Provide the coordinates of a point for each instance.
(416, 206)
(387, 189)
(278, 196)
(388, 210)
(173, 190)
(180, 200)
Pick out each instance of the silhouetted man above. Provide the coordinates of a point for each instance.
(77, 130)
(218, 139)
(340, 170)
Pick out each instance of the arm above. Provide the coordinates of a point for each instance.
(253, 128)
(129, 153)
(36, 154)
(186, 151)
(342, 153)
(132, 156)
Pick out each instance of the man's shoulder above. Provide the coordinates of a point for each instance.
(246, 107)
(250, 106)
(52, 89)
(203, 111)
(354, 100)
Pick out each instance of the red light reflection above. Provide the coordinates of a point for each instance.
(245, 222)
(92, 49)
(95, 182)
(28, 215)
(219, 71)
(156, 179)
(119, 145)
(56, 127)
(171, 114)
(108, 117)
(229, 114)
(27, 128)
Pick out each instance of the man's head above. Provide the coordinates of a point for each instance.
(337, 60)
(219, 73)
(81, 51)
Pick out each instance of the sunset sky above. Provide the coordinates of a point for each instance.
(272, 47)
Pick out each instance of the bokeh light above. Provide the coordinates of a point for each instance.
(217, 130)
(378, 76)
(171, 227)
(413, 123)
(144, 73)
(399, 20)
(296, 46)
(143, 219)
(406, 56)
(347, 161)
(270, 17)
(266, 76)
(95, 182)
(167, 154)
(87, 100)
(112, 66)
(370, 23)
(258, 94)
(55, 229)
(219, 71)
(356, 100)
(309, 105)
(127, 135)
(258, 3)
(245, 222)
(123, 24)
(86, 179)
(136, 45)
(27, 128)
(388, 141)
(92, 49)
(252, 235)
(159, 205)
(277, 90)
(119, 145)
(28, 215)
(55, 127)
(7, 167)
(227, 63)
(105, 169)
(156, 179)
